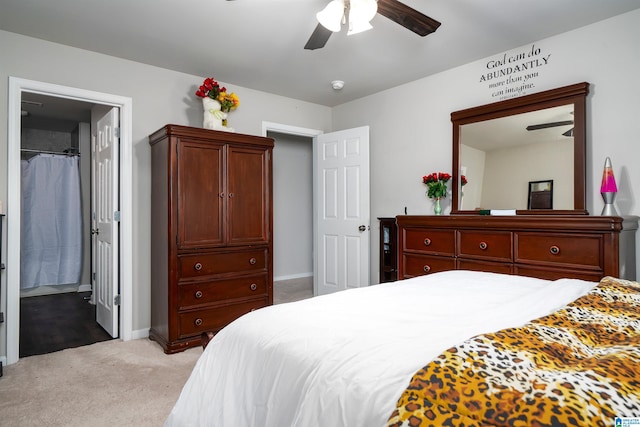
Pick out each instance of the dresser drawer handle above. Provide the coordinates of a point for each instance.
(222, 195)
(554, 250)
(483, 245)
(252, 261)
(198, 322)
(427, 241)
(197, 266)
(198, 294)
(426, 268)
(253, 286)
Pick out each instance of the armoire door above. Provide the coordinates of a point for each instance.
(248, 206)
(200, 194)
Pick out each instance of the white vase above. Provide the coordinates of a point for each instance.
(212, 118)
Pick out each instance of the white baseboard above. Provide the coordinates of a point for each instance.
(293, 276)
(84, 288)
(140, 333)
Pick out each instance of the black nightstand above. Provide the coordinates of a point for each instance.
(388, 250)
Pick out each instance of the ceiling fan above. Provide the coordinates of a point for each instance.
(358, 13)
(553, 124)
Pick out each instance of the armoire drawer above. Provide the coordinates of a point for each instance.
(419, 265)
(199, 265)
(440, 242)
(193, 294)
(495, 245)
(561, 249)
(213, 319)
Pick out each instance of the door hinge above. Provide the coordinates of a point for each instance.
(116, 132)
(116, 216)
(116, 300)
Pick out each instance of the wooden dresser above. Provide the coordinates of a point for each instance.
(548, 247)
(211, 231)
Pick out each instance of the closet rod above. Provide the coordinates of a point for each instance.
(29, 150)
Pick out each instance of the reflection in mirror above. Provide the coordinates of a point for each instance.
(491, 154)
(500, 148)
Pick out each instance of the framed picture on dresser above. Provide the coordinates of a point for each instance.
(540, 195)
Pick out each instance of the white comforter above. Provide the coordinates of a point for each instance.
(344, 359)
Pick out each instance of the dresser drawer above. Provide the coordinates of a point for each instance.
(199, 265)
(494, 245)
(491, 266)
(429, 241)
(419, 265)
(561, 249)
(206, 292)
(213, 319)
(550, 273)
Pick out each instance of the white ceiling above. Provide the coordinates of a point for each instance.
(258, 44)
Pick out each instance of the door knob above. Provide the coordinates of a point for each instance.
(362, 228)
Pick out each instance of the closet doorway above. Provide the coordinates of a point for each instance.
(119, 276)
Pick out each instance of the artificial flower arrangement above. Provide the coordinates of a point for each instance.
(436, 184)
(211, 89)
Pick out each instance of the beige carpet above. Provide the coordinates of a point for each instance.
(112, 383)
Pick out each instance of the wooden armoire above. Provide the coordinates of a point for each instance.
(211, 231)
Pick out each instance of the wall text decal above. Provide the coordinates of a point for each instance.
(513, 74)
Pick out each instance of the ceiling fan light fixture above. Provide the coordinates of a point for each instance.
(361, 12)
(331, 16)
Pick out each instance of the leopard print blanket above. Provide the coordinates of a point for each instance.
(579, 366)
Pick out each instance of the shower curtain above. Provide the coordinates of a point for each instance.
(51, 234)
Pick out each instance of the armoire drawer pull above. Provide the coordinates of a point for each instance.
(427, 241)
(426, 268)
(198, 322)
(483, 245)
(198, 294)
(253, 286)
(222, 194)
(252, 261)
(554, 250)
(197, 266)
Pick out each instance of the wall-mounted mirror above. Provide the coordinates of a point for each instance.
(500, 148)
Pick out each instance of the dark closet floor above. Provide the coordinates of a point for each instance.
(51, 323)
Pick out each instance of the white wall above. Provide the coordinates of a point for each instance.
(159, 97)
(411, 139)
(292, 206)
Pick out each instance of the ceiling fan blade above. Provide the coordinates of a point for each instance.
(549, 125)
(408, 17)
(318, 38)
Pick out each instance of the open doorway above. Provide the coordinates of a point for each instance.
(293, 261)
(17, 88)
(56, 267)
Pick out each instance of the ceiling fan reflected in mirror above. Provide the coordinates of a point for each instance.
(358, 14)
(553, 124)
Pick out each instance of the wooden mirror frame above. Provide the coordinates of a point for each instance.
(574, 94)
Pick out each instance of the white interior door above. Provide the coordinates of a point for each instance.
(104, 224)
(342, 203)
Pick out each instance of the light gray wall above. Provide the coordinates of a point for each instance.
(292, 206)
(159, 97)
(415, 137)
(506, 178)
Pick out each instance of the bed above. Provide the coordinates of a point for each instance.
(389, 354)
